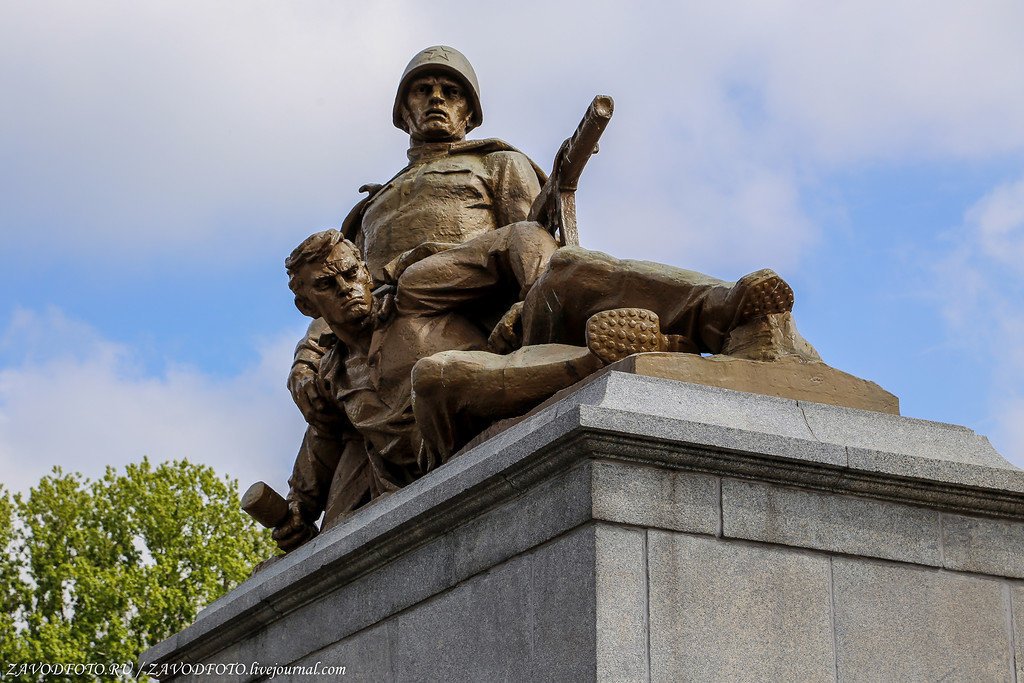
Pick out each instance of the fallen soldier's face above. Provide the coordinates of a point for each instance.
(340, 288)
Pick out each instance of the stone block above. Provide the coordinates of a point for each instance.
(898, 622)
(877, 432)
(1017, 612)
(509, 551)
(986, 546)
(544, 511)
(655, 497)
(366, 656)
(827, 521)
(621, 590)
(564, 609)
(737, 612)
(479, 630)
(788, 377)
(530, 618)
(698, 404)
(410, 579)
(233, 654)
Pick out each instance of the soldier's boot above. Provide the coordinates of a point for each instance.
(763, 327)
(620, 332)
(760, 294)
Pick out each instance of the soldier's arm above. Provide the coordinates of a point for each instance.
(302, 383)
(314, 470)
(514, 185)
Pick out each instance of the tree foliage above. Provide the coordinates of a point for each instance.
(97, 571)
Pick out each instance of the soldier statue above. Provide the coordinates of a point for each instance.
(445, 302)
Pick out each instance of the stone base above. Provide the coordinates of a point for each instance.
(646, 529)
(788, 377)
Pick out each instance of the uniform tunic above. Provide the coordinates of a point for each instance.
(450, 193)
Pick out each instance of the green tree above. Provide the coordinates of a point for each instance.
(97, 571)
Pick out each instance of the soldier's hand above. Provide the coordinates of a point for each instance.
(315, 408)
(395, 267)
(295, 530)
(507, 335)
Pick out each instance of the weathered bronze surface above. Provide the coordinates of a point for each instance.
(455, 295)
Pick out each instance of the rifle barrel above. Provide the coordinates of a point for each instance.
(583, 142)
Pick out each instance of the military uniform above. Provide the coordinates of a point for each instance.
(371, 445)
(448, 194)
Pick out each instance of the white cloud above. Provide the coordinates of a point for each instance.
(757, 215)
(151, 126)
(148, 127)
(83, 403)
(853, 81)
(997, 222)
(981, 294)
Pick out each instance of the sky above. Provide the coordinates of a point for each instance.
(158, 160)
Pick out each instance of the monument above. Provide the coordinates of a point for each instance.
(525, 459)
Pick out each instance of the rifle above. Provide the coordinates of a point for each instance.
(555, 206)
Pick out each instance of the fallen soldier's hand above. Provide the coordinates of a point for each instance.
(395, 267)
(507, 335)
(317, 411)
(295, 530)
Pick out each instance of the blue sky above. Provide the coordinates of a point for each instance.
(158, 160)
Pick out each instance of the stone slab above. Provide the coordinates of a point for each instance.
(801, 426)
(655, 497)
(531, 482)
(867, 431)
(826, 521)
(621, 592)
(368, 656)
(1017, 625)
(737, 612)
(539, 513)
(987, 546)
(483, 625)
(564, 609)
(898, 622)
(528, 618)
(787, 377)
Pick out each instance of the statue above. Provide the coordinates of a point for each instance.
(450, 191)
(454, 296)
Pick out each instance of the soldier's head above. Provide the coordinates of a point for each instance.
(438, 99)
(330, 281)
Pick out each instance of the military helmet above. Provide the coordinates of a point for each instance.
(450, 61)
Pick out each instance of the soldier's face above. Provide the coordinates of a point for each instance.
(339, 288)
(436, 109)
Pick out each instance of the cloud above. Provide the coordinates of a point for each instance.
(148, 128)
(191, 134)
(997, 224)
(141, 128)
(80, 401)
(980, 292)
(849, 82)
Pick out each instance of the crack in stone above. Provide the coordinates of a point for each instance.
(807, 422)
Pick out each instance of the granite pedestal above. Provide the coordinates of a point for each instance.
(644, 529)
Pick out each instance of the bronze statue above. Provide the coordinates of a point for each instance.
(369, 375)
(450, 191)
(446, 303)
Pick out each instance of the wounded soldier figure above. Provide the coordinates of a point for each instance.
(413, 376)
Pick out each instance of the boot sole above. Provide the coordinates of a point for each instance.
(620, 332)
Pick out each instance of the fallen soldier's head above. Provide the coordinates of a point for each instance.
(330, 281)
